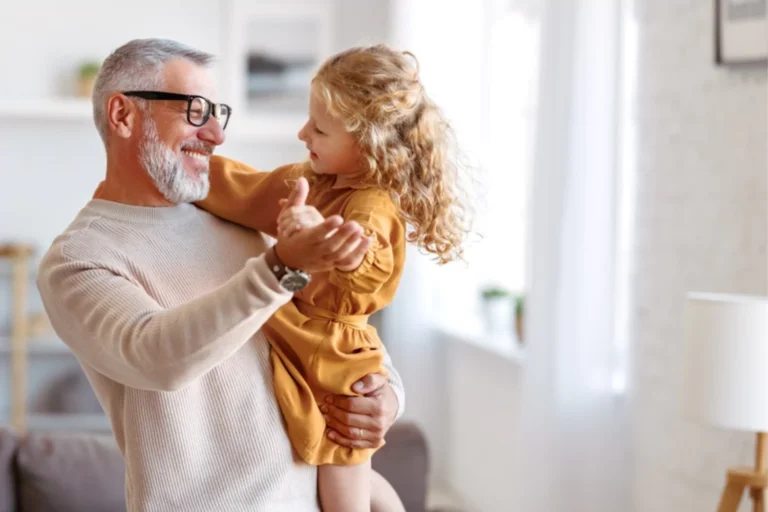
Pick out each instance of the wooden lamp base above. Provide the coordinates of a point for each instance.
(741, 478)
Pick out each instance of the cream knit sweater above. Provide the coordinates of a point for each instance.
(162, 307)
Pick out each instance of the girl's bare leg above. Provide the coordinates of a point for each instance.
(383, 495)
(345, 488)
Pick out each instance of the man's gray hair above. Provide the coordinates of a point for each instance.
(138, 66)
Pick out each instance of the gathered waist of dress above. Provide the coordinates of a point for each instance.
(359, 321)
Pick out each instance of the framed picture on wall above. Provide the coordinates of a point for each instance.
(741, 31)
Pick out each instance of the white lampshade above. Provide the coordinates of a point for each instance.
(726, 361)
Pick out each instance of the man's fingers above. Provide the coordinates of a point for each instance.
(347, 234)
(346, 251)
(359, 444)
(345, 258)
(351, 404)
(348, 426)
(299, 193)
(332, 233)
(353, 433)
(319, 233)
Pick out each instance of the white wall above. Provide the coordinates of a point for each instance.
(701, 224)
(484, 421)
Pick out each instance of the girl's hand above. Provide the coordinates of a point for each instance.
(295, 218)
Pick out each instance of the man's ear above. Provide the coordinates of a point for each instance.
(122, 116)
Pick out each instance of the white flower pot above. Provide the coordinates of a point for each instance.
(499, 316)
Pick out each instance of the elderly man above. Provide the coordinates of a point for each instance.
(162, 302)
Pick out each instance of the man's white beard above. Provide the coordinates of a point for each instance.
(167, 170)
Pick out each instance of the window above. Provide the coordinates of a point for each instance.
(513, 66)
(505, 158)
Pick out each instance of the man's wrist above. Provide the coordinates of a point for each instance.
(290, 279)
(275, 263)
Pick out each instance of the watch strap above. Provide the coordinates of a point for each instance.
(275, 264)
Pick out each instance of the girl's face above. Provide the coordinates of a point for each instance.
(332, 149)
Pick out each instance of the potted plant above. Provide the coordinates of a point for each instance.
(519, 315)
(86, 77)
(498, 310)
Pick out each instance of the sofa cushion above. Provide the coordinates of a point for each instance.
(70, 473)
(85, 472)
(403, 461)
(8, 445)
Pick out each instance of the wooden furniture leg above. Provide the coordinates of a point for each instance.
(19, 256)
(20, 272)
(729, 501)
(755, 479)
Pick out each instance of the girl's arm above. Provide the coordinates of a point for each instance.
(246, 196)
(374, 211)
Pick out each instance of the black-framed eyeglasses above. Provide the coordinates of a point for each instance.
(199, 108)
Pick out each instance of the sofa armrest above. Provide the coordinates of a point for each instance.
(69, 473)
(404, 462)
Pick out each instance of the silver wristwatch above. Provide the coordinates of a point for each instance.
(290, 279)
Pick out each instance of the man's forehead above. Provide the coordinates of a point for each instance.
(185, 77)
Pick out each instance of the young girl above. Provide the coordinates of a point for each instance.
(380, 154)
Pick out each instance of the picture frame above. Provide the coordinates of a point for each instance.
(741, 32)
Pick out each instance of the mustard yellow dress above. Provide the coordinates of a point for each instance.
(321, 341)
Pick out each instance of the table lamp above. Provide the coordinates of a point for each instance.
(726, 379)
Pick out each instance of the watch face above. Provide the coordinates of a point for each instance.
(294, 281)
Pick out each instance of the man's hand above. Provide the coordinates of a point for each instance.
(351, 263)
(361, 421)
(323, 247)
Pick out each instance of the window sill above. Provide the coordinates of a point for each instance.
(506, 347)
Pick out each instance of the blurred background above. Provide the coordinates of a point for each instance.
(620, 148)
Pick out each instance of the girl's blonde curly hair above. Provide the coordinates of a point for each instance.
(407, 144)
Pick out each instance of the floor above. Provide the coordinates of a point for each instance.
(441, 497)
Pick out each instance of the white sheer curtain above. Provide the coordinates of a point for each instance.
(449, 68)
(480, 65)
(573, 449)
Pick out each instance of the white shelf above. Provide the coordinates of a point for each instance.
(46, 109)
(267, 126)
(44, 345)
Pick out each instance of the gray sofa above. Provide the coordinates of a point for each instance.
(65, 472)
